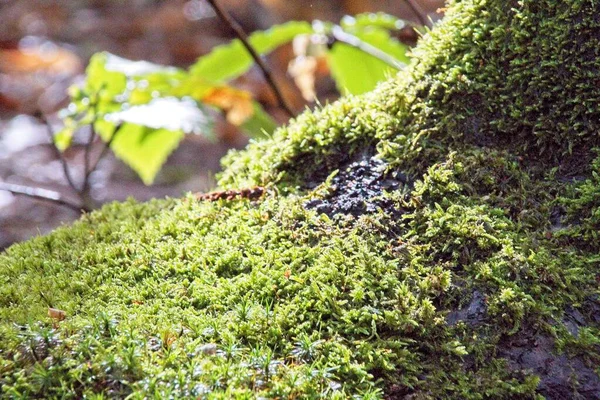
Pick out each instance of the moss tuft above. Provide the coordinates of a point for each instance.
(477, 277)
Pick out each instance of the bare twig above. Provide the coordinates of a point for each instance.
(39, 115)
(104, 150)
(416, 9)
(86, 159)
(341, 36)
(241, 35)
(41, 194)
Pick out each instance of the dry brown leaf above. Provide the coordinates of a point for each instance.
(47, 58)
(237, 104)
(56, 314)
(302, 69)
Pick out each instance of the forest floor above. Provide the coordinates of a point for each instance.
(173, 33)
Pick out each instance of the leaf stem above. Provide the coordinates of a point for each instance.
(41, 194)
(339, 35)
(241, 35)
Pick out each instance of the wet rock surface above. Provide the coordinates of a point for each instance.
(472, 314)
(562, 376)
(530, 351)
(359, 188)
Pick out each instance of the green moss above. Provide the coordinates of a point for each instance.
(239, 299)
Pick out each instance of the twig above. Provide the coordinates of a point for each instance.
(241, 35)
(341, 36)
(39, 115)
(41, 194)
(416, 9)
(104, 149)
(86, 159)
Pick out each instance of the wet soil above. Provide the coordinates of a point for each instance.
(359, 188)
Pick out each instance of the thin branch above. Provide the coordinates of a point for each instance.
(341, 36)
(104, 150)
(85, 186)
(86, 159)
(416, 9)
(41, 194)
(241, 35)
(65, 167)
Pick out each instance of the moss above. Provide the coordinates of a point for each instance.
(490, 247)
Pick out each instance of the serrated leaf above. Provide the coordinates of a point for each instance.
(144, 149)
(149, 133)
(231, 60)
(355, 71)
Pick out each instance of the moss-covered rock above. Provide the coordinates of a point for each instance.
(454, 255)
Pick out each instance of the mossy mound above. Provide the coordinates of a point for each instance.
(456, 253)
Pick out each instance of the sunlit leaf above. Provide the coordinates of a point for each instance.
(144, 149)
(232, 60)
(356, 72)
(379, 20)
(166, 113)
(64, 137)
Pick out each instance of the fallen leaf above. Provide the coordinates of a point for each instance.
(43, 57)
(302, 69)
(310, 53)
(237, 104)
(56, 314)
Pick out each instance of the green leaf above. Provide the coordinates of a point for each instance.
(144, 149)
(378, 20)
(231, 60)
(167, 113)
(260, 125)
(355, 71)
(64, 137)
(150, 132)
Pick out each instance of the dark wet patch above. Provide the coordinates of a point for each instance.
(473, 314)
(359, 188)
(561, 377)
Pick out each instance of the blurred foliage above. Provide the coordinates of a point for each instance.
(143, 110)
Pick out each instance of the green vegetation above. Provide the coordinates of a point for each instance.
(123, 99)
(495, 123)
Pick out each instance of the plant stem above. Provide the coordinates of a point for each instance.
(86, 160)
(416, 9)
(104, 149)
(241, 35)
(63, 162)
(41, 194)
(341, 36)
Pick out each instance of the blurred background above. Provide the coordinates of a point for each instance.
(44, 49)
